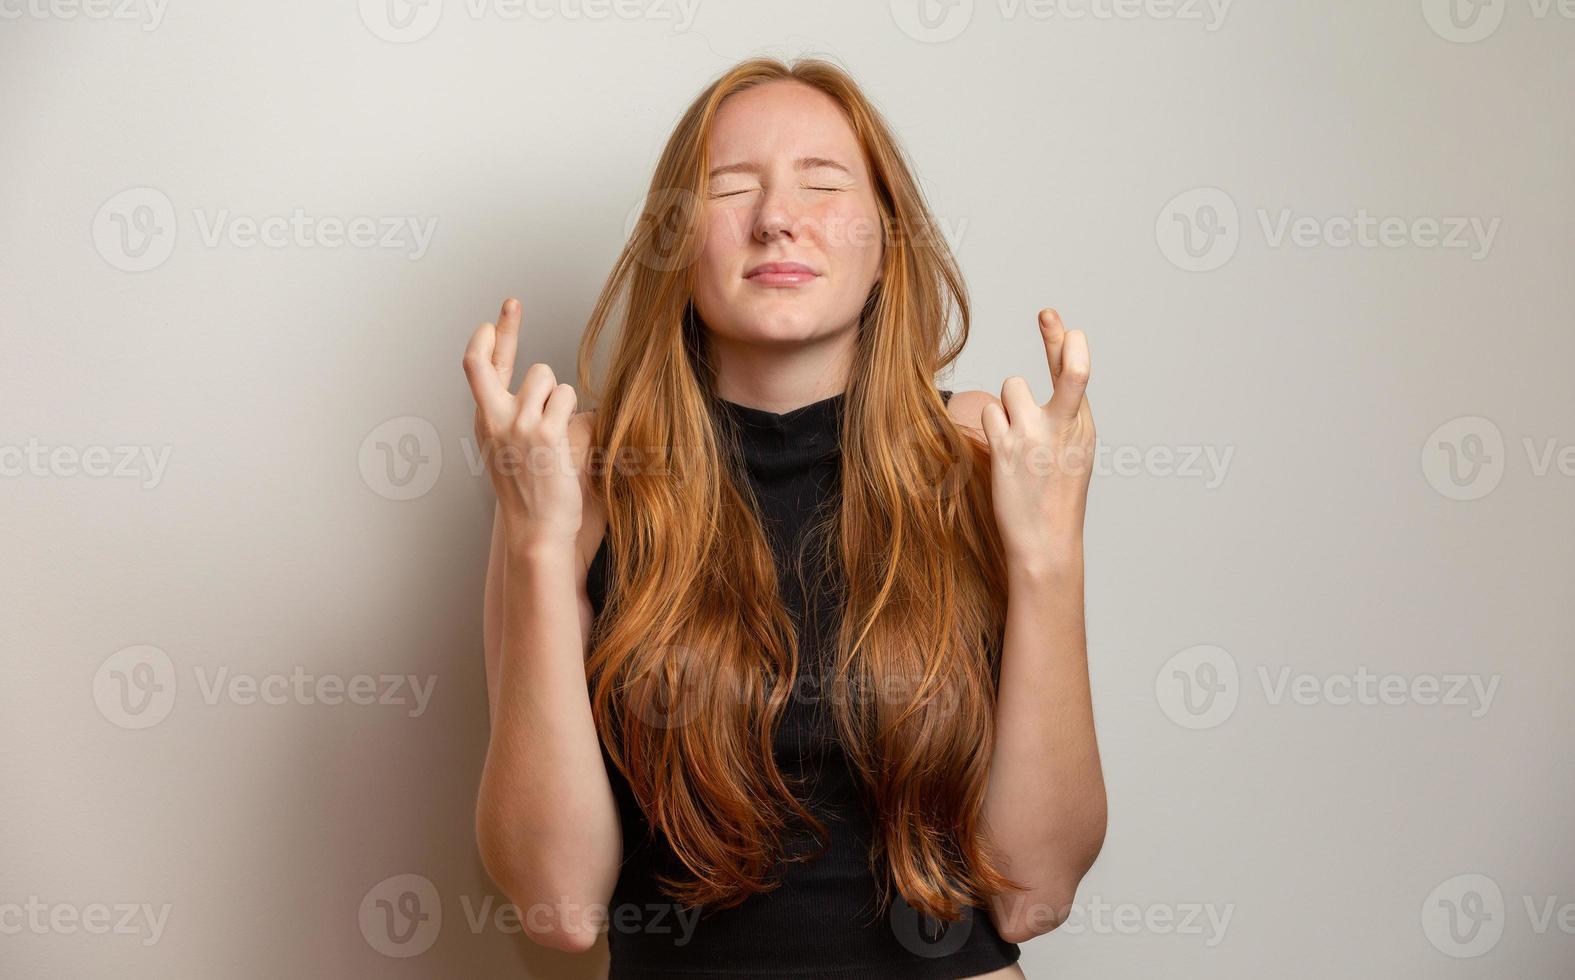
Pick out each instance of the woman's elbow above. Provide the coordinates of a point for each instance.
(564, 923)
(565, 940)
(1025, 915)
(556, 925)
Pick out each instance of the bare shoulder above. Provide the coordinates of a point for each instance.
(967, 410)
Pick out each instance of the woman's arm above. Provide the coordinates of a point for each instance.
(1045, 807)
(492, 609)
(546, 820)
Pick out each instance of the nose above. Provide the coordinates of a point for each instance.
(778, 216)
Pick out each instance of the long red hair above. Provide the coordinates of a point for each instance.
(693, 657)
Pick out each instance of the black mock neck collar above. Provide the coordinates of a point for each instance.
(779, 443)
(804, 417)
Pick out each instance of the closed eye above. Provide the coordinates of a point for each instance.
(747, 190)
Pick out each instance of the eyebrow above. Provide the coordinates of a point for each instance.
(802, 163)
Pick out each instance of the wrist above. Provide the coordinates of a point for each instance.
(537, 551)
(1046, 559)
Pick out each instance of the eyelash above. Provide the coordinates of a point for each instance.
(736, 193)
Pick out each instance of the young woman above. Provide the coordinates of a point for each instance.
(784, 644)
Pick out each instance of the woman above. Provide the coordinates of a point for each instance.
(824, 709)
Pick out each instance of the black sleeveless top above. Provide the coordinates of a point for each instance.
(820, 923)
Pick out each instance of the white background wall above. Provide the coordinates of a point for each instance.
(259, 534)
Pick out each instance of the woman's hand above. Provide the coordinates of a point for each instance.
(524, 438)
(1041, 456)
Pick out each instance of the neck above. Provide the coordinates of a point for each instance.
(782, 377)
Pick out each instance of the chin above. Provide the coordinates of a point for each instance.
(779, 328)
(774, 320)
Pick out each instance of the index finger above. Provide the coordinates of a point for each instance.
(491, 394)
(1072, 382)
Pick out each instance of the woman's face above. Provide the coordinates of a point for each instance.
(788, 185)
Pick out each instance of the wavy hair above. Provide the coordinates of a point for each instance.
(693, 657)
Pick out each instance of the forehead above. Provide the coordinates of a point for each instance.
(782, 119)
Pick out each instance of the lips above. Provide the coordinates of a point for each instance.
(780, 274)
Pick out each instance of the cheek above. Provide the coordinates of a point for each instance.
(851, 235)
(726, 231)
(712, 263)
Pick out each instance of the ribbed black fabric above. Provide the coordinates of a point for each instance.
(820, 922)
